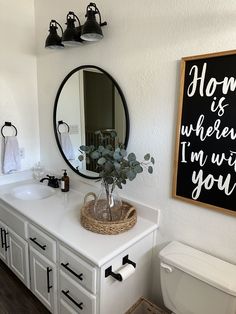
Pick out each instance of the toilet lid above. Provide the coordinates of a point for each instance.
(212, 270)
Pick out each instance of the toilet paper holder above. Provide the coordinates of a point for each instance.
(109, 272)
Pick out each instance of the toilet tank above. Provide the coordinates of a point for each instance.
(194, 282)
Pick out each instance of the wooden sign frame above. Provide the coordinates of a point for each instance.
(205, 151)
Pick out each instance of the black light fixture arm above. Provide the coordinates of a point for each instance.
(55, 23)
(96, 11)
(74, 16)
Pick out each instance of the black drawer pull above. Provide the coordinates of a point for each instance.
(2, 241)
(80, 276)
(66, 293)
(43, 247)
(48, 279)
(5, 240)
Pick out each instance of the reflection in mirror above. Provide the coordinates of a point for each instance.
(88, 100)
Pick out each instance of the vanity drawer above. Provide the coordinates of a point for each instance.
(78, 269)
(42, 242)
(75, 296)
(65, 308)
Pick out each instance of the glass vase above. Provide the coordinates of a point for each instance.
(108, 205)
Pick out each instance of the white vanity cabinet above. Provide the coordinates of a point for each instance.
(13, 247)
(43, 269)
(68, 268)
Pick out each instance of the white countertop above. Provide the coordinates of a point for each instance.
(60, 215)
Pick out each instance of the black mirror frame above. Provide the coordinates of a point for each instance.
(55, 112)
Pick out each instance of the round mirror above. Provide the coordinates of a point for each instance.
(88, 100)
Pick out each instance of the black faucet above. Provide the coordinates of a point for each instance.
(52, 181)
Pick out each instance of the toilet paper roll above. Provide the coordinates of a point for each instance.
(126, 271)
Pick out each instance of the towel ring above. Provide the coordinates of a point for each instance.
(8, 124)
(62, 122)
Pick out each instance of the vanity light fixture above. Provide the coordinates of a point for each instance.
(75, 35)
(71, 36)
(92, 30)
(53, 40)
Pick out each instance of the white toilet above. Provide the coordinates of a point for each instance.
(194, 282)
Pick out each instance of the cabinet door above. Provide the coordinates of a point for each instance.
(3, 244)
(43, 279)
(18, 257)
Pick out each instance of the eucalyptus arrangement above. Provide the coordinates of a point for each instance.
(114, 165)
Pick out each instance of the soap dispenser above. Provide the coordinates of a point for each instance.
(65, 182)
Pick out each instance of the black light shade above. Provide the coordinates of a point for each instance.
(53, 40)
(71, 35)
(91, 30)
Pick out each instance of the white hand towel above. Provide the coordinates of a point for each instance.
(66, 146)
(11, 160)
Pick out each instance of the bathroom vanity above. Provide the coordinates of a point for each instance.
(63, 264)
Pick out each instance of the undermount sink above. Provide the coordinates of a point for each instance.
(32, 191)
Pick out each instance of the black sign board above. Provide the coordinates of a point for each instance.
(205, 163)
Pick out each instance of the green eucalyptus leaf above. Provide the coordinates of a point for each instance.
(131, 175)
(105, 152)
(84, 148)
(150, 169)
(134, 163)
(95, 154)
(138, 169)
(123, 152)
(109, 147)
(131, 157)
(152, 160)
(119, 184)
(125, 163)
(108, 166)
(117, 165)
(101, 161)
(100, 148)
(117, 156)
(108, 152)
(81, 157)
(147, 157)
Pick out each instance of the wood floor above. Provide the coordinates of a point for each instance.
(15, 298)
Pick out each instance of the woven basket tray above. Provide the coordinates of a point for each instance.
(144, 306)
(128, 220)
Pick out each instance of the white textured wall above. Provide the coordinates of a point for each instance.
(18, 76)
(143, 43)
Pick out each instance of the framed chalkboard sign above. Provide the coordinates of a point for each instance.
(205, 158)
